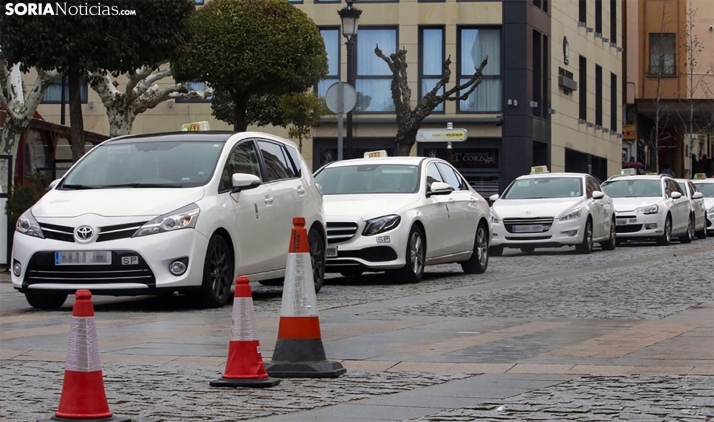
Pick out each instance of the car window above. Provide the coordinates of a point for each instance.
(242, 159)
(368, 179)
(707, 189)
(544, 187)
(432, 175)
(277, 164)
(683, 187)
(294, 156)
(692, 188)
(673, 187)
(589, 187)
(451, 177)
(594, 184)
(632, 188)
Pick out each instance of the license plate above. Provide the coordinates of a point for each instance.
(528, 229)
(83, 258)
(621, 222)
(332, 251)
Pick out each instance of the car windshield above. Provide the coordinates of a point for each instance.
(545, 187)
(707, 189)
(145, 164)
(632, 188)
(368, 178)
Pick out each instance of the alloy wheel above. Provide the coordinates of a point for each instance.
(220, 270)
(481, 246)
(317, 257)
(416, 253)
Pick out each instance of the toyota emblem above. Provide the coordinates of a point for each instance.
(83, 233)
(528, 213)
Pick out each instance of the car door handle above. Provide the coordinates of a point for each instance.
(301, 190)
(268, 199)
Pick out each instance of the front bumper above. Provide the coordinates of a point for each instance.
(384, 251)
(554, 234)
(710, 221)
(146, 273)
(631, 225)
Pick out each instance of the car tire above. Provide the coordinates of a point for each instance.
(527, 250)
(415, 256)
(611, 241)
(666, 237)
(478, 263)
(688, 237)
(45, 301)
(318, 256)
(702, 234)
(217, 274)
(495, 250)
(586, 246)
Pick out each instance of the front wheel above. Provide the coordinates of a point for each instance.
(702, 234)
(413, 270)
(478, 262)
(666, 237)
(611, 241)
(217, 274)
(689, 235)
(45, 301)
(318, 257)
(586, 246)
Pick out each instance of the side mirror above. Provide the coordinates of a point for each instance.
(493, 198)
(54, 183)
(244, 181)
(597, 194)
(676, 195)
(439, 188)
(698, 195)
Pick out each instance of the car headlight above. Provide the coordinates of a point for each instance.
(27, 224)
(572, 215)
(650, 209)
(381, 224)
(182, 218)
(494, 218)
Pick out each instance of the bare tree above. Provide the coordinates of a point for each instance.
(19, 108)
(658, 69)
(409, 120)
(140, 94)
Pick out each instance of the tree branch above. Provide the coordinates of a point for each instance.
(102, 84)
(155, 96)
(471, 84)
(136, 77)
(148, 82)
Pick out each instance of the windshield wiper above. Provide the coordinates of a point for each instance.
(79, 187)
(145, 185)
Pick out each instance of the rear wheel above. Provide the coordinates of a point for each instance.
(45, 301)
(702, 234)
(478, 262)
(587, 244)
(611, 241)
(689, 235)
(666, 237)
(413, 270)
(217, 274)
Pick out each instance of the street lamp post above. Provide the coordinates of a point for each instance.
(350, 19)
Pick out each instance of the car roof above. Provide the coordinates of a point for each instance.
(708, 180)
(557, 174)
(196, 136)
(638, 177)
(382, 160)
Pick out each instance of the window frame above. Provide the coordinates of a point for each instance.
(598, 95)
(259, 163)
(388, 77)
(598, 18)
(661, 36)
(83, 85)
(583, 88)
(337, 77)
(422, 76)
(583, 11)
(613, 22)
(613, 102)
(460, 76)
(286, 156)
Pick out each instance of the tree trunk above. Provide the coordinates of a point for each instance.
(76, 119)
(121, 117)
(241, 104)
(11, 133)
(405, 142)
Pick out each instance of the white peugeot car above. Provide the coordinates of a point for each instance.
(706, 187)
(650, 207)
(400, 214)
(552, 210)
(162, 213)
(696, 207)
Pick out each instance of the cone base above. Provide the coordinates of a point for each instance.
(324, 369)
(113, 418)
(236, 382)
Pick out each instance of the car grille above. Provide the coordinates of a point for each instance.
(528, 238)
(340, 232)
(371, 254)
(42, 269)
(546, 222)
(61, 233)
(106, 233)
(632, 228)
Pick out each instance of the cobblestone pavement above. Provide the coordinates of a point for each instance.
(600, 398)
(151, 393)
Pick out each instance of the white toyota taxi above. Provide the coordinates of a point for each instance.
(161, 213)
(400, 214)
(544, 209)
(706, 187)
(649, 207)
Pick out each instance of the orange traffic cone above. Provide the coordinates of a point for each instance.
(83, 396)
(299, 352)
(244, 367)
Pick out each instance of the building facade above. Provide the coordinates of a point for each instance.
(551, 92)
(669, 66)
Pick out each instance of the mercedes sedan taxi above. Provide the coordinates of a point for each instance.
(706, 187)
(650, 207)
(544, 209)
(400, 214)
(164, 213)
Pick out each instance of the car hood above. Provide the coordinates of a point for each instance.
(114, 202)
(548, 207)
(630, 204)
(366, 206)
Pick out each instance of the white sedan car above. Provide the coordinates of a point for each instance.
(162, 213)
(552, 210)
(400, 214)
(706, 187)
(696, 207)
(650, 207)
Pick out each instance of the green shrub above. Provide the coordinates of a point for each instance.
(23, 197)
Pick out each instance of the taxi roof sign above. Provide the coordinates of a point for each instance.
(700, 176)
(196, 126)
(628, 172)
(539, 169)
(375, 154)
